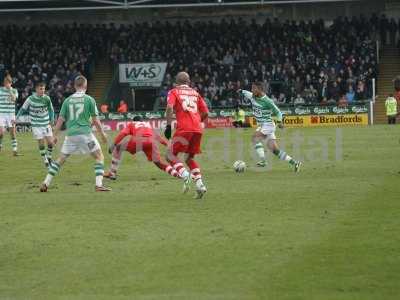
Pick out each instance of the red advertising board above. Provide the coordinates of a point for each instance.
(115, 125)
(220, 122)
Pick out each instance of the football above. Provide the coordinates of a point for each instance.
(239, 166)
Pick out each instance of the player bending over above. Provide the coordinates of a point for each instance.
(78, 112)
(263, 110)
(40, 110)
(191, 110)
(138, 136)
(8, 97)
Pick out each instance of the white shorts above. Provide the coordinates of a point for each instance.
(41, 132)
(7, 120)
(267, 129)
(80, 144)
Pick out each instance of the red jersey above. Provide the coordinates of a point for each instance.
(188, 105)
(138, 129)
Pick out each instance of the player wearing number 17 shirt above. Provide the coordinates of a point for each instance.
(78, 112)
(190, 110)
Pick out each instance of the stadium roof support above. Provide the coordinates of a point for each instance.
(59, 5)
(138, 2)
(108, 2)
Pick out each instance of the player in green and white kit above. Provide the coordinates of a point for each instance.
(263, 110)
(40, 110)
(8, 97)
(78, 112)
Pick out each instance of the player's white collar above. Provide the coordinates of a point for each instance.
(80, 93)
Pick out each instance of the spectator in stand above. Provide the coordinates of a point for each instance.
(350, 95)
(392, 31)
(360, 92)
(281, 99)
(313, 95)
(299, 100)
(396, 82)
(397, 96)
(122, 107)
(104, 108)
(383, 27)
(54, 54)
(291, 95)
(310, 62)
(334, 91)
(331, 102)
(324, 101)
(391, 109)
(342, 101)
(323, 91)
(283, 53)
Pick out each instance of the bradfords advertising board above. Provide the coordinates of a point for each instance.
(142, 75)
(335, 120)
(326, 120)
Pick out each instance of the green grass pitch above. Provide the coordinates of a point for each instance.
(329, 232)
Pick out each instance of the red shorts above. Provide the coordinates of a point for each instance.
(148, 146)
(186, 142)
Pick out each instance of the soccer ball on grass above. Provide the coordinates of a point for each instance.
(239, 166)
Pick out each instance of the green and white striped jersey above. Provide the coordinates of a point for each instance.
(40, 110)
(7, 106)
(263, 108)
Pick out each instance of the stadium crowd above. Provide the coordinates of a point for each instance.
(53, 54)
(300, 62)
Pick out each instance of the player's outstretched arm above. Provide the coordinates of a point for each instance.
(51, 111)
(246, 97)
(276, 112)
(21, 112)
(160, 139)
(204, 116)
(203, 109)
(14, 95)
(57, 128)
(169, 115)
(24, 108)
(129, 130)
(99, 128)
(246, 94)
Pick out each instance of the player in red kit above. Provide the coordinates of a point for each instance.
(138, 136)
(190, 110)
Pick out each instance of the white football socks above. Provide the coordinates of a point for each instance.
(260, 150)
(48, 179)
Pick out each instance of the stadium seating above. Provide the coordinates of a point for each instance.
(295, 59)
(300, 62)
(54, 54)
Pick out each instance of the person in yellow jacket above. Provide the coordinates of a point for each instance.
(239, 118)
(391, 109)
